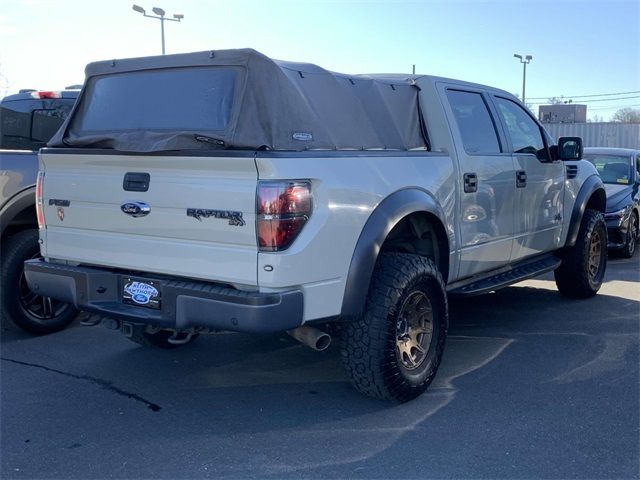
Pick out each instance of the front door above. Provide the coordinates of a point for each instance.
(539, 183)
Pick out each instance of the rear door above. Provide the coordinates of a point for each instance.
(487, 193)
(199, 220)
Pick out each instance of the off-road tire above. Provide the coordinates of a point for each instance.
(368, 347)
(16, 249)
(631, 242)
(159, 339)
(572, 276)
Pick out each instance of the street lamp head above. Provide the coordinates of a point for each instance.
(160, 16)
(528, 57)
(517, 56)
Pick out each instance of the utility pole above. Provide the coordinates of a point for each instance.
(525, 61)
(160, 16)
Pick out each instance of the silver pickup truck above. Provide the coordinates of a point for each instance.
(272, 196)
(28, 120)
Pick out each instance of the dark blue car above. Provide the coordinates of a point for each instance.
(620, 172)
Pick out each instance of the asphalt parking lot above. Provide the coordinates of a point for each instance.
(531, 386)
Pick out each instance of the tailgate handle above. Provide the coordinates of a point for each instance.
(136, 182)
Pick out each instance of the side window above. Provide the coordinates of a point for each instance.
(45, 122)
(15, 125)
(474, 122)
(523, 130)
(26, 125)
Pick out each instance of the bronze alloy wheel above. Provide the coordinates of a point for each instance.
(581, 273)
(414, 330)
(394, 349)
(595, 252)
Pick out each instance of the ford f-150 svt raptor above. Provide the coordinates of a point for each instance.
(272, 196)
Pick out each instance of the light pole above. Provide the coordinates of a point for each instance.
(160, 16)
(524, 62)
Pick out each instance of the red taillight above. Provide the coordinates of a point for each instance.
(283, 208)
(46, 94)
(39, 200)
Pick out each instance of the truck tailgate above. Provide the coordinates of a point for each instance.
(84, 195)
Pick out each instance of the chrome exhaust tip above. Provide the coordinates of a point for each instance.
(311, 337)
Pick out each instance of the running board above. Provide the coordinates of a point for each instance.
(503, 278)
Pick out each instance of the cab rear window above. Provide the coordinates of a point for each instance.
(179, 99)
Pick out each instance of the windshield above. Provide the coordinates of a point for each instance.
(178, 99)
(612, 168)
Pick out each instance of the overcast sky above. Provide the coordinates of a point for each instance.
(579, 48)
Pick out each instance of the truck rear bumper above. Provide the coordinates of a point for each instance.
(184, 303)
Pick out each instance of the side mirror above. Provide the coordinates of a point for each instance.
(570, 148)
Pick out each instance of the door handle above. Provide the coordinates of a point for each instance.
(470, 182)
(521, 179)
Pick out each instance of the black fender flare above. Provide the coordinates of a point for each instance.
(378, 226)
(590, 186)
(20, 201)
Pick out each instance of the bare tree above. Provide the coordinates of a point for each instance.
(4, 84)
(627, 115)
(559, 100)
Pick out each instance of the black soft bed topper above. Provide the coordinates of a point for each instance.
(272, 104)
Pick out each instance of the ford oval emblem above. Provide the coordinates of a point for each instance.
(136, 209)
(140, 298)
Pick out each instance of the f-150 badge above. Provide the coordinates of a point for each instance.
(235, 218)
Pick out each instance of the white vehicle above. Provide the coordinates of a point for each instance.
(223, 190)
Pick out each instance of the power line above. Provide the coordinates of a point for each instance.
(591, 101)
(585, 96)
(610, 107)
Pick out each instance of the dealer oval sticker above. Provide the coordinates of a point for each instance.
(141, 293)
(302, 136)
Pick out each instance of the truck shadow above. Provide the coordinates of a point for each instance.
(276, 367)
(269, 392)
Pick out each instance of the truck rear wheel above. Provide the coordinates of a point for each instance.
(393, 352)
(583, 266)
(27, 310)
